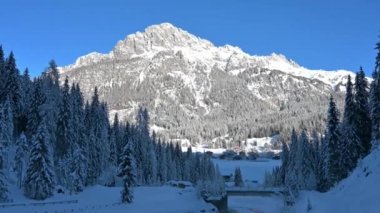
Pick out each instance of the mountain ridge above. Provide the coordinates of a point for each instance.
(128, 48)
(198, 91)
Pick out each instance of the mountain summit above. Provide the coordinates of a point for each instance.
(200, 92)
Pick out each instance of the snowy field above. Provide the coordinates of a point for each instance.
(357, 193)
(240, 204)
(251, 170)
(165, 199)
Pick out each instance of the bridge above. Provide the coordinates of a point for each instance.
(252, 192)
(222, 204)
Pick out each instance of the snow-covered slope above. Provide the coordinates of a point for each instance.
(357, 193)
(193, 87)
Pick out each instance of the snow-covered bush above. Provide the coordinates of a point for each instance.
(108, 177)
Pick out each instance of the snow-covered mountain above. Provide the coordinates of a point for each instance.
(199, 91)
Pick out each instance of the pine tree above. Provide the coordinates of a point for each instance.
(180, 161)
(127, 172)
(332, 136)
(308, 172)
(4, 193)
(26, 96)
(79, 151)
(291, 177)
(285, 161)
(322, 182)
(53, 98)
(3, 93)
(103, 137)
(21, 158)
(349, 103)
(39, 181)
(12, 84)
(115, 140)
(78, 172)
(374, 100)
(349, 144)
(238, 178)
(65, 131)
(6, 124)
(146, 160)
(97, 125)
(53, 72)
(362, 123)
(37, 110)
(162, 163)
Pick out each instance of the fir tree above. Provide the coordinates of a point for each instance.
(12, 84)
(39, 181)
(332, 136)
(4, 193)
(374, 100)
(53, 72)
(37, 110)
(162, 163)
(2, 75)
(362, 123)
(21, 157)
(349, 144)
(291, 176)
(322, 175)
(115, 141)
(64, 132)
(6, 124)
(78, 172)
(238, 178)
(2, 64)
(26, 90)
(127, 172)
(308, 176)
(146, 156)
(285, 161)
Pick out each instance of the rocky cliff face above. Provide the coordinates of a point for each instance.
(197, 91)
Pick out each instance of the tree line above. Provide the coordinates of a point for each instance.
(50, 136)
(318, 161)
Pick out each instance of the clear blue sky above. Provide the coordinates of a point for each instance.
(318, 34)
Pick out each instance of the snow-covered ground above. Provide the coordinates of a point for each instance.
(259, 145)
(165, 199)
(241, 204)
(154, 199)
(357, 193)
(251, 170)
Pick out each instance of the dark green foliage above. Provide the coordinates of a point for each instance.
(37, 111)
(64, 133)
(39, 180)
(127, 170)
(238, 178)
(362, 123)
(285, 161)
(332, 136)
(374, 99)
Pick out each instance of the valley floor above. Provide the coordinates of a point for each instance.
(163, 199)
